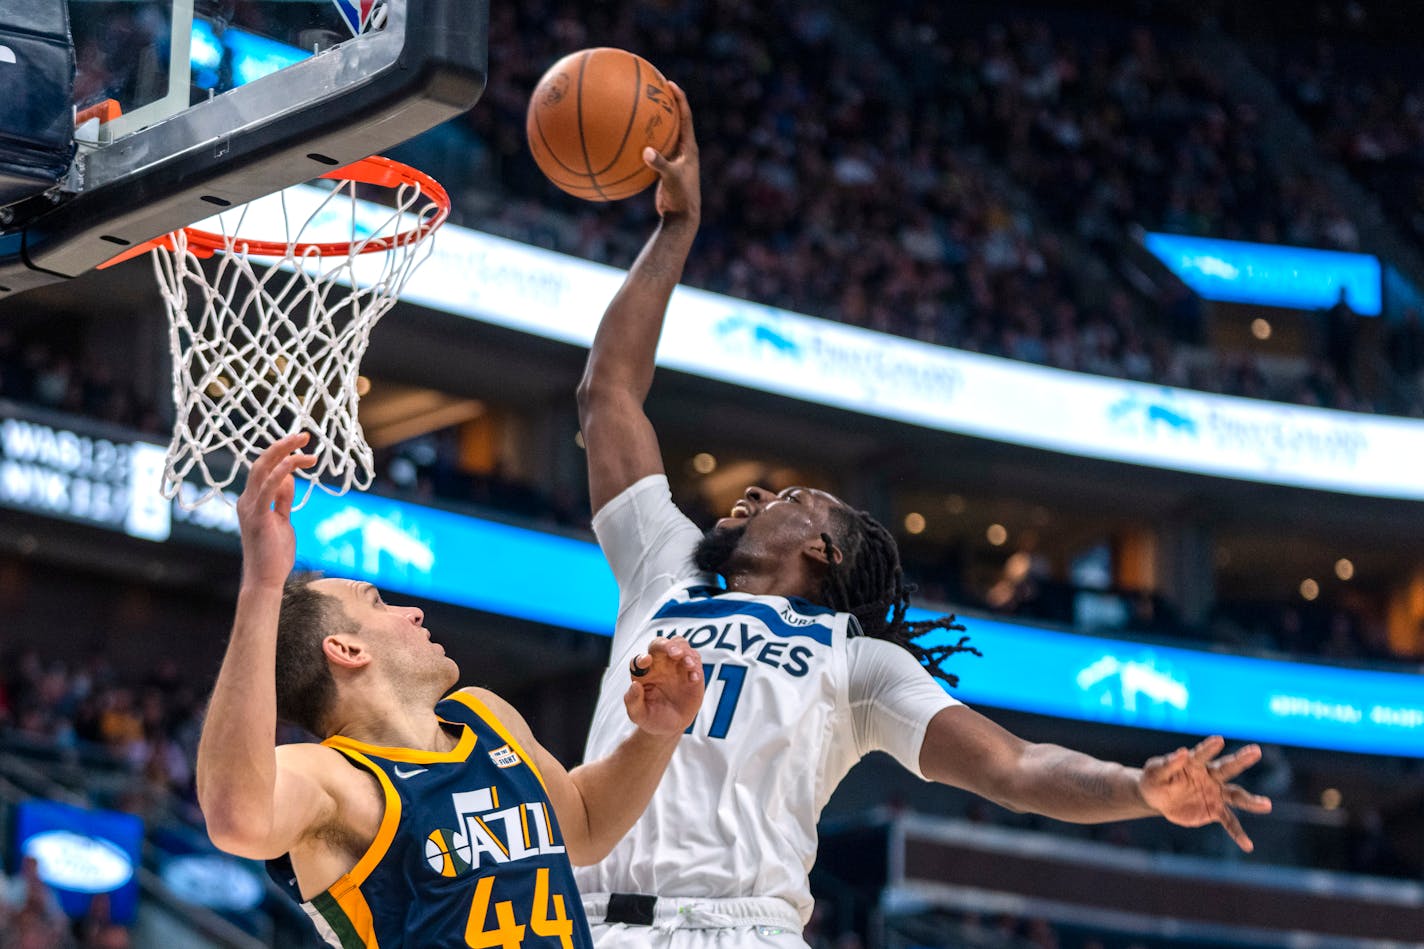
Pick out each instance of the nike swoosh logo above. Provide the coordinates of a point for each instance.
(409, 774)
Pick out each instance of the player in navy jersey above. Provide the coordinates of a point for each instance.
(797, 603)
(418, 821)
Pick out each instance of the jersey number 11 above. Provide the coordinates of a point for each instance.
(732, 678)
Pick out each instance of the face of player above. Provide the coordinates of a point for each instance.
(395, 635)
(765, 526)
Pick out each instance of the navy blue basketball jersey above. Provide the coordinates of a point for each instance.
(468, 853)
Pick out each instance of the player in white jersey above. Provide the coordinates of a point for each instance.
(808, 661)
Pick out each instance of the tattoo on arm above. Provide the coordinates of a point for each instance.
(1088, 777)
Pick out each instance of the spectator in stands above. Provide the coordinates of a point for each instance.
(97, 930)
(30, 915)
(879, 217)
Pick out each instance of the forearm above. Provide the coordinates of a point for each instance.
(1069, 786)
(237, 764)
(621, 358)
(614, 791)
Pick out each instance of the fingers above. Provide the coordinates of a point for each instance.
(676, 651)
(654, 160)
(286, 491)
(274, 454)
(686, 137)
(1166, 767)
(279, 485)
(1242, 799)
(1207, 749)
(1233, 764)
(1233, 827)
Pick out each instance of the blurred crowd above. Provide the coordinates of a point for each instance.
(31, 917)
(1369, 115)
(42, 371)
(147, 727)
(943, 179)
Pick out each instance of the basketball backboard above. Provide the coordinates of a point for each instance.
(184, 107)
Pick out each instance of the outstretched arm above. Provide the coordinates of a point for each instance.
(622, 447)
(253, 806)
(965, 749)
(598, 802)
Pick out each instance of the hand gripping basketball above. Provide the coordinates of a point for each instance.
(589, 118)
(679, 194)
(667, 692)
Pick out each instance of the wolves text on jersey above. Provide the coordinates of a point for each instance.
(739, 637)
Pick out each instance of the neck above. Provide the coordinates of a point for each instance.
(783, 580)
(395, 725)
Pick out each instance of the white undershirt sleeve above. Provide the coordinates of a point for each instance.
(649, 545)
(892, 699)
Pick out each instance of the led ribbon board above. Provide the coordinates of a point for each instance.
(52, 465)
(1297, 278)
(457, 559)
(519, 287)
(406, 548)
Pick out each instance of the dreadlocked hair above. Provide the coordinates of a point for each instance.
(869, 584)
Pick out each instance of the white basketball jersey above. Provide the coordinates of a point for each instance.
(791, 706)
(735, 814)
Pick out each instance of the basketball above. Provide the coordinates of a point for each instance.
(590, 117)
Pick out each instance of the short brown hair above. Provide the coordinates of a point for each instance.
(305, 687)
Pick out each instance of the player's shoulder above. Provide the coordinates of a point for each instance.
(882, 658)
(650, 492)
(326, 766)
(307, 756)
(493, 709)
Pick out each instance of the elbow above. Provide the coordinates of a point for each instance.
(605, 399)
(234, 829)
(241, 839)
(586, 853)
(593, 392)
(586, 392)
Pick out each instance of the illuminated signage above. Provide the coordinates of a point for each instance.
(73, 468)
(213, 880)
(457, 559)
(1298, 278)
(1186, 690)
(439, 555)
(524, 288)
(79, 476)
(81, 852)
(248, 56)
(406, 548)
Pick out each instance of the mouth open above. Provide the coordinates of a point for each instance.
(741, 512)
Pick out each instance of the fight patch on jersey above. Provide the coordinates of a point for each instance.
(504, 757)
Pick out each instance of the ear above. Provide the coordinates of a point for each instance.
(346, 651)
(822, 552)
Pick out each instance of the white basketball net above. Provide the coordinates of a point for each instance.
(267, 347)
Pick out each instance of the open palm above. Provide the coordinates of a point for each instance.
(1192, 788)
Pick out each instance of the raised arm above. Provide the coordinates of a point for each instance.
(255, 807)
(598, 802)
(622, 447)
(1187, 787)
